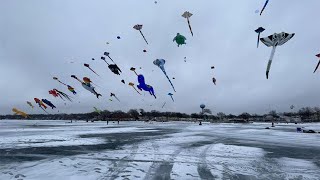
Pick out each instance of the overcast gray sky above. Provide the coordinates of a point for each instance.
(39, 39)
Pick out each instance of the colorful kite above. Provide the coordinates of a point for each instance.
(87, 86)
(180, 39)
(264, 6)
(139, 27)
(70, 88)
(277, 39)
(30, 104)
(88, 66)
(170, 94)
(18, 112)
(318, 55)
(187, 15)
(259, 30)
(47, 102)
(160, 63)
(41, 104)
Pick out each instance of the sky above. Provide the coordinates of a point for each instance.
(41, 39)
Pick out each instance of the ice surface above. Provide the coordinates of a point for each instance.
(175, 150)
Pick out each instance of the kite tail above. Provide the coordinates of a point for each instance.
(167, 78)
(116, 98)
(94, 71)
(172, 98)
(270, 61)
(143, 37)
(111, 59)
(163, 104)
(44, 110)
(258, 40)
(316, 67)
(98, 95)
(190, 26)
(136, 90)
(264, 6)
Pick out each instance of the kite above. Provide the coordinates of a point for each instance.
(180, 39)
(63, 94)
(173, 78)
(88, 66)
(185, 59)
(139, 27)
(47, 102)
(164, 104)
(55, 78)
(113, 67)
(170, 94)
(160, 63)
(110, 99)
(92, 59)
(264, 6)
(292, 106)
(318, 55)
(18, 112)
(277, 39)
(30, 104)
(108, 55)
(41, 104)
(144, 50)
(118, 37)
(187, 15)
(259, 30)
(111, 94)
(70, 88)
(123, 81)
(131, 84)
(142, 85)
(87, 86)
(214, 80)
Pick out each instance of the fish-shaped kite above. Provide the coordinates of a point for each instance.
(18, 112)
(41, 104)
(277, 39)
(87, 86)
(160, 63)
(30, 104)
(318, 55)
(49, 103)
(187, 15)
(139, 27)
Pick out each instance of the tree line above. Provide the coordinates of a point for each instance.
(306, 114)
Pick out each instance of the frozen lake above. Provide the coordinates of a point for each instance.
(54, 150)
